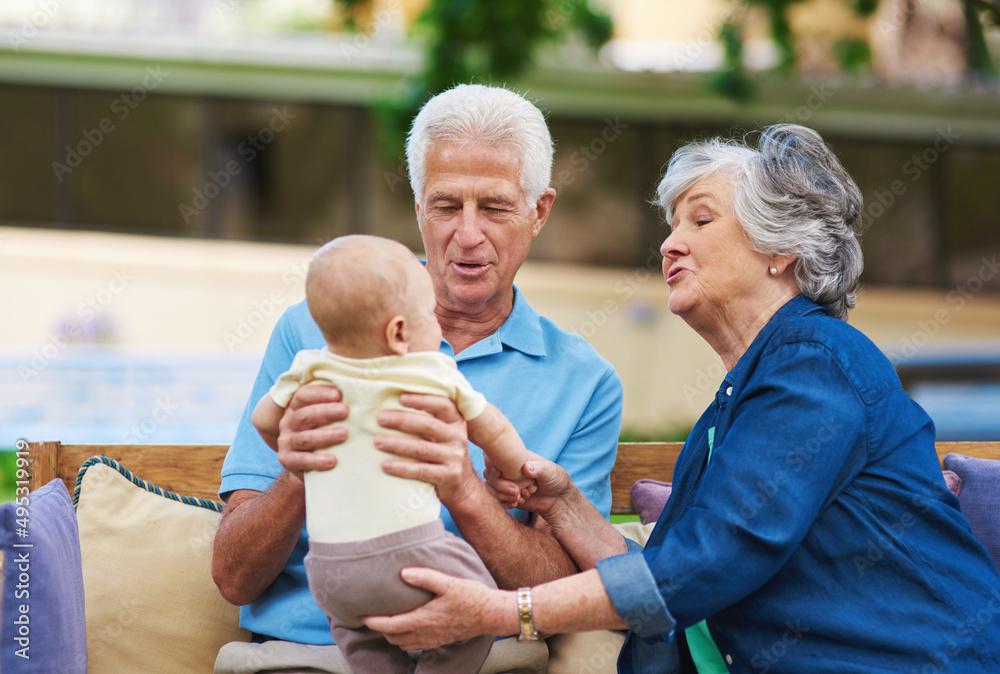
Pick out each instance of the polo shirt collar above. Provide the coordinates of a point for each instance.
(523, 328)
(522, 331)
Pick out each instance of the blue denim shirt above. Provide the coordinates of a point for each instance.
(821, 537)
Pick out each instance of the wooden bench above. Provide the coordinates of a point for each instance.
(194, 470)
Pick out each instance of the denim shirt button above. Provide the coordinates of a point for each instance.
(729, 391)
(729, 659)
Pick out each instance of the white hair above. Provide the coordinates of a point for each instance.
(473, 113)
(792, 196)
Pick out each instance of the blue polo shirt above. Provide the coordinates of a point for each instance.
(821, 537)
(564, 400)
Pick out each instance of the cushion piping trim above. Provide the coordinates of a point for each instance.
(142, 484)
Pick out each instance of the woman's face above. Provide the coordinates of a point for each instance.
(707, 260)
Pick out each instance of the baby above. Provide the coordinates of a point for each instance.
(374, 303)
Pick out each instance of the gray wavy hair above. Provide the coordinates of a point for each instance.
(792, 196)
(474, 113)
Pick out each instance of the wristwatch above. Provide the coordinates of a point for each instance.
(528, 631)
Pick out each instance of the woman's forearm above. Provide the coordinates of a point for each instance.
(578, 603)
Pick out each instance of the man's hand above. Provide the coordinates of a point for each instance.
(440, 449)
(304, 428)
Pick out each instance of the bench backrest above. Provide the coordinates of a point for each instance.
(194, 470)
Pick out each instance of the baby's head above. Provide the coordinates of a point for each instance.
(371, 297)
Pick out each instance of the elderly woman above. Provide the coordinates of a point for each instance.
(809, 529)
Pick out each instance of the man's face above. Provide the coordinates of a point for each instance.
(476, 225)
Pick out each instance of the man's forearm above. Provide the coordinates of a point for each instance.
(583, 532)
(515, 554)
(255, 538)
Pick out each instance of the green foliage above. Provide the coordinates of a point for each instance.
(482, 41)
(495, 42)
(977, 56)
(781, 31)
(864, 7)
(853, 55)
(8, 473)
(676, 434)
(733, 82)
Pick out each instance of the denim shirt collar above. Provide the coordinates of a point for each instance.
(799, 305)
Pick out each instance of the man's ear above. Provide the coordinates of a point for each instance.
(397, 336)
(542, 210)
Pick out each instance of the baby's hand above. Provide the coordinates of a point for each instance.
(525, 487)
(511, 491)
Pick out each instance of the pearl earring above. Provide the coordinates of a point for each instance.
(774, 271)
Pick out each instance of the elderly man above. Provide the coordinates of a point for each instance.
(480, 162)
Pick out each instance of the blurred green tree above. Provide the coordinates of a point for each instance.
(484, 41)
(854, 55)
(480, 41)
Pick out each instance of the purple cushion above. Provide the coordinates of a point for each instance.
(649, 497)
(980, 498)
(953, 482)
(43, 628)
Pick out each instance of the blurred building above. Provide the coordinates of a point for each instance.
(231, 121)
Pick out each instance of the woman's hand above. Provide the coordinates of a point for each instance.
(461, 610)
(304, 428)
(440, 450)
(552, 487)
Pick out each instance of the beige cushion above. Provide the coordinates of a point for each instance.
(637, 531)
(508, 656)
(151, 604)
(585, 652)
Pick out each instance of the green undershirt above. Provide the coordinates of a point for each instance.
(704, 652)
